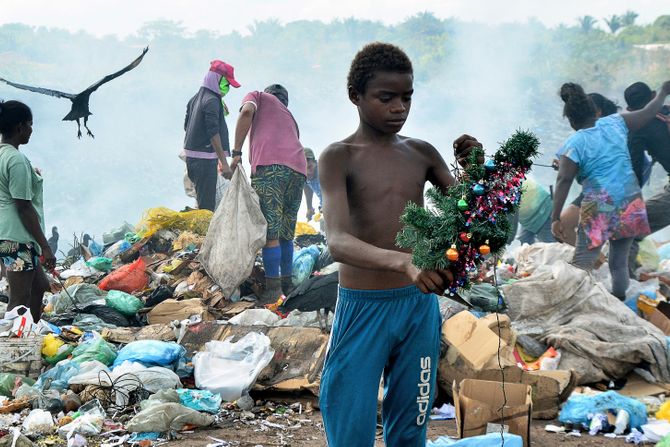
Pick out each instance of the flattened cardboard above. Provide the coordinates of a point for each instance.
(478, 404)
(661, 317)
(473, 338)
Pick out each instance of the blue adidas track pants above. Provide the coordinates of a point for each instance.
(392, 332)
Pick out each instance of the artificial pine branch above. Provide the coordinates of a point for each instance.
(483, 226)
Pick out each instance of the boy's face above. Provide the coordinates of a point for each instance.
(386, 101)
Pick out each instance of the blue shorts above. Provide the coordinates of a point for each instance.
(392, 332)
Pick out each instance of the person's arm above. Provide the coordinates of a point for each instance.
(211, 111)
(438, 172)
(309, 195)
(638, 119)
(350, 250)
(567, 171)
(31, 222)
(242, 128)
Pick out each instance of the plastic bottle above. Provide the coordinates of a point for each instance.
(621, 422)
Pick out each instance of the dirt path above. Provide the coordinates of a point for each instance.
(307, 431)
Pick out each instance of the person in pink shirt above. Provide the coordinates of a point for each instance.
(278, 174)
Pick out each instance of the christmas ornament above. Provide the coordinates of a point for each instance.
(452, 253)
(474, 209)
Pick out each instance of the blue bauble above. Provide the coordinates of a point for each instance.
(478, 189)
(490, 165)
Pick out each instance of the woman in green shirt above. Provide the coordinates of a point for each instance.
(22, 240)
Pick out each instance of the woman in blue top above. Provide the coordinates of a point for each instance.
(22, 239)
(612, 208)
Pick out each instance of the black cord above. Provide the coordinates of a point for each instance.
(502, 370)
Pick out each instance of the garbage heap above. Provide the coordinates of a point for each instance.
(137, 342)
(597, 364)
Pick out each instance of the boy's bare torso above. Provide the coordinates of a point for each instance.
(380, 181)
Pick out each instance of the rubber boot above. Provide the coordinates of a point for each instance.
(272, 291)
(287, 285)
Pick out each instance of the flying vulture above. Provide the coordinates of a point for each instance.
(80, 100)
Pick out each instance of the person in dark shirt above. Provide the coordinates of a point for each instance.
(654, 138)
(206, 139)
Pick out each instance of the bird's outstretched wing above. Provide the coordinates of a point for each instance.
(108, 78)
(44, 91)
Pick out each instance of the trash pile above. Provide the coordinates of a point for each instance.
(596, 364)
(138, 342)
(156, 331)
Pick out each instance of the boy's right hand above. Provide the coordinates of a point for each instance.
(429, 281)
(463, 146)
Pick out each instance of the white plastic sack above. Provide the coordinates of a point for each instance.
(222, 185)
(79, 268)
(530, 257)
(236, 233)
(255, 317)
(599, 336)
(231, 369)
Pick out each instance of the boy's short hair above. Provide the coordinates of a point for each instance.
(376, 56)
(637, 95)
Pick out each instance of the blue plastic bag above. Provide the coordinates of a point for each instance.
(489, 440)
(578, 408)
(200, 400)
(152, 353)
(57, 377)
(303, 263)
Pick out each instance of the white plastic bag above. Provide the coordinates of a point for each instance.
(255, 317)
(39, 422)
(230, 369)
(236, 233)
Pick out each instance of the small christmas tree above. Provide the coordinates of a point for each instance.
(470, 221)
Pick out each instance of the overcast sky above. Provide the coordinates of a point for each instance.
(123, 17)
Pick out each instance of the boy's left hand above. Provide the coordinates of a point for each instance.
(463, 146)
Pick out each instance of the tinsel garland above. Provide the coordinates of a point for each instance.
(461, 228)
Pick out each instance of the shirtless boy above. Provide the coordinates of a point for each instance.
(387, 319)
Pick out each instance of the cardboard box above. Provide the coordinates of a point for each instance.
(476, 340)
(549, 388)
(661, 317)
(479, 408)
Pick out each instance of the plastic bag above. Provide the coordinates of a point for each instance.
(100, 263)
(648, 256)
(236, 233)
(125, 303)
(57, 377)
(55, 349)
(116, 234)
(39, 422)
(255, 317)
(129, 278)
(94, 349)
(118, 248)
(578, 408)
(79, 268)
(242, 362)
(200, 400)
(155, 219)
(166, 417)
(302, 228)
(83, 295)
(222, 185)
(9, 382)
(150, 353)
(303, 263)
(489, 440)
(90, 421)
(664, 411)
(89, 322)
